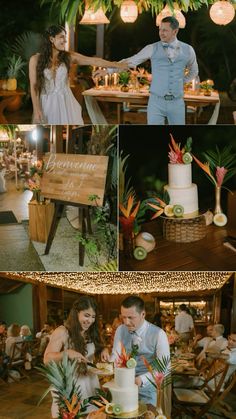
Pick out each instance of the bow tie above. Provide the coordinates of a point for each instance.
(166, 45)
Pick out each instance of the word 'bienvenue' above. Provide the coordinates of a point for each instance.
(53, 164)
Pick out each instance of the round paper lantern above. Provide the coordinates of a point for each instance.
(129, 11)
(91, 17)
(168, 12)
(222, 12)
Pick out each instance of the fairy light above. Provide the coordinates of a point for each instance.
(126, 282)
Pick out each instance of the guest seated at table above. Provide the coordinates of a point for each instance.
(217, 344)
(13, 336)
(44, 336)
(25, 333)
(184, 325)
(3, 334)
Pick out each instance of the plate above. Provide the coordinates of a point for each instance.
(187, 356)
(100, 372)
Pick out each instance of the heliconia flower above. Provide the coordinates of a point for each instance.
(205, 167)
(156, 207)
(173, 157)
(175, 146)
(159, 377)
(220, 174)
(146, 363)
(123, 357)
(171, 339)
(127, 211)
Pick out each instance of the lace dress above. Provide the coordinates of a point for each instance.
(59, 341)
(58, 103)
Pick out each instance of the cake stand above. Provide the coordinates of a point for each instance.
(142, 409)
(184, 229)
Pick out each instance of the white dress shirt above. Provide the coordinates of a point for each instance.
(151, 340)
(146, 54)
(183, 322)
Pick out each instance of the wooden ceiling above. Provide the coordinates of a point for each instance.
(9, 285)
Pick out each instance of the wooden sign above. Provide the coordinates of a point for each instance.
(74, 177)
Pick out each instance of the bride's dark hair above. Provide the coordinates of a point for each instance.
(44, 60)
(74, 328)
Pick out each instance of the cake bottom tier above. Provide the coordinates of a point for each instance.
(187, 197)
(126, 397)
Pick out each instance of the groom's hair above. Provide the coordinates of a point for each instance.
(134, 301)
(174, 24)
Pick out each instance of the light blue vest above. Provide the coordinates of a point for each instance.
(167, 75)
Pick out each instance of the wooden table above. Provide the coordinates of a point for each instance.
(203, 255)
(141, 99)
(7, 97)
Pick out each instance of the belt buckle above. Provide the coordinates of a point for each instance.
(168, 97)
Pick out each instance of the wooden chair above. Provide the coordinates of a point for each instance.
(197, 402)
(223, 406)
(18, 358)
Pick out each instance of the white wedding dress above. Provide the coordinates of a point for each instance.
(58, 104)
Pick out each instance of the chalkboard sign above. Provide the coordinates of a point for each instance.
(74, 177)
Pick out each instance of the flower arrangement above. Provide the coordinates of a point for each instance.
(62, 377)
(207, 86)
(34, 181)
(161, 373)
(125, 359)
(127, 219)
(178, 155)
(219, 167)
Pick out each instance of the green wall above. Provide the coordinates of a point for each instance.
(17, 307)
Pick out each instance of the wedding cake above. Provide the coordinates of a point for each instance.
(182, 192)
(123, 389)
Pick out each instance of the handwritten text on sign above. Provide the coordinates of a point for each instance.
(74, 177)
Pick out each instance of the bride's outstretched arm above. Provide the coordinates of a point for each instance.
(96, 61)
(37, 111)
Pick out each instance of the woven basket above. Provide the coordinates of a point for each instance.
(183, 230)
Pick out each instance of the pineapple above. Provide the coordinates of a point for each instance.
(62, 377)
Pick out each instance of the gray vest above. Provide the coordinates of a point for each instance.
(167, 75)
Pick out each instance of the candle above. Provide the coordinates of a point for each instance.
(106, 80)
(115, 78)
(194, 84)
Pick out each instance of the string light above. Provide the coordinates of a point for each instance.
(127, 282)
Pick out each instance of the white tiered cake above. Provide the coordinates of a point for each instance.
(123, 389)
(181, 189)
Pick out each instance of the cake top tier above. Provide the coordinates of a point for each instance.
(178, 155)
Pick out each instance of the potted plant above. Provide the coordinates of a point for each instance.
(15, 67)
(207, 87)
(62, 377)
(124, 78)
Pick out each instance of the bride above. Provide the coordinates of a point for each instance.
(52, 98)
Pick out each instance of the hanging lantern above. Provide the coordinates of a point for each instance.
(4, 135)
(222, 12)
(91, 17)
(168, 12)
(129, 11)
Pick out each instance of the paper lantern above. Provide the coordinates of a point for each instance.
(93, 18)
(168, 12)
(129, 11)
(222, 12)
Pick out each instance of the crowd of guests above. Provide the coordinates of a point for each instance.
(15, 333)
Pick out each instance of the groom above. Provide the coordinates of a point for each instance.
(152, 343)
(173, 64)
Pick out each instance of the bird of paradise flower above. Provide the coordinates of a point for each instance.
(128, 216)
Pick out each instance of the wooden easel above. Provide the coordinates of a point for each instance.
(84, 225)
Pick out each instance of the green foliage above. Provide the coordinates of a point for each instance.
(188, 145)
(124, 77)
(163, 366)
(222, 158)
(70, 8)
(63, 379)
(102, 244)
